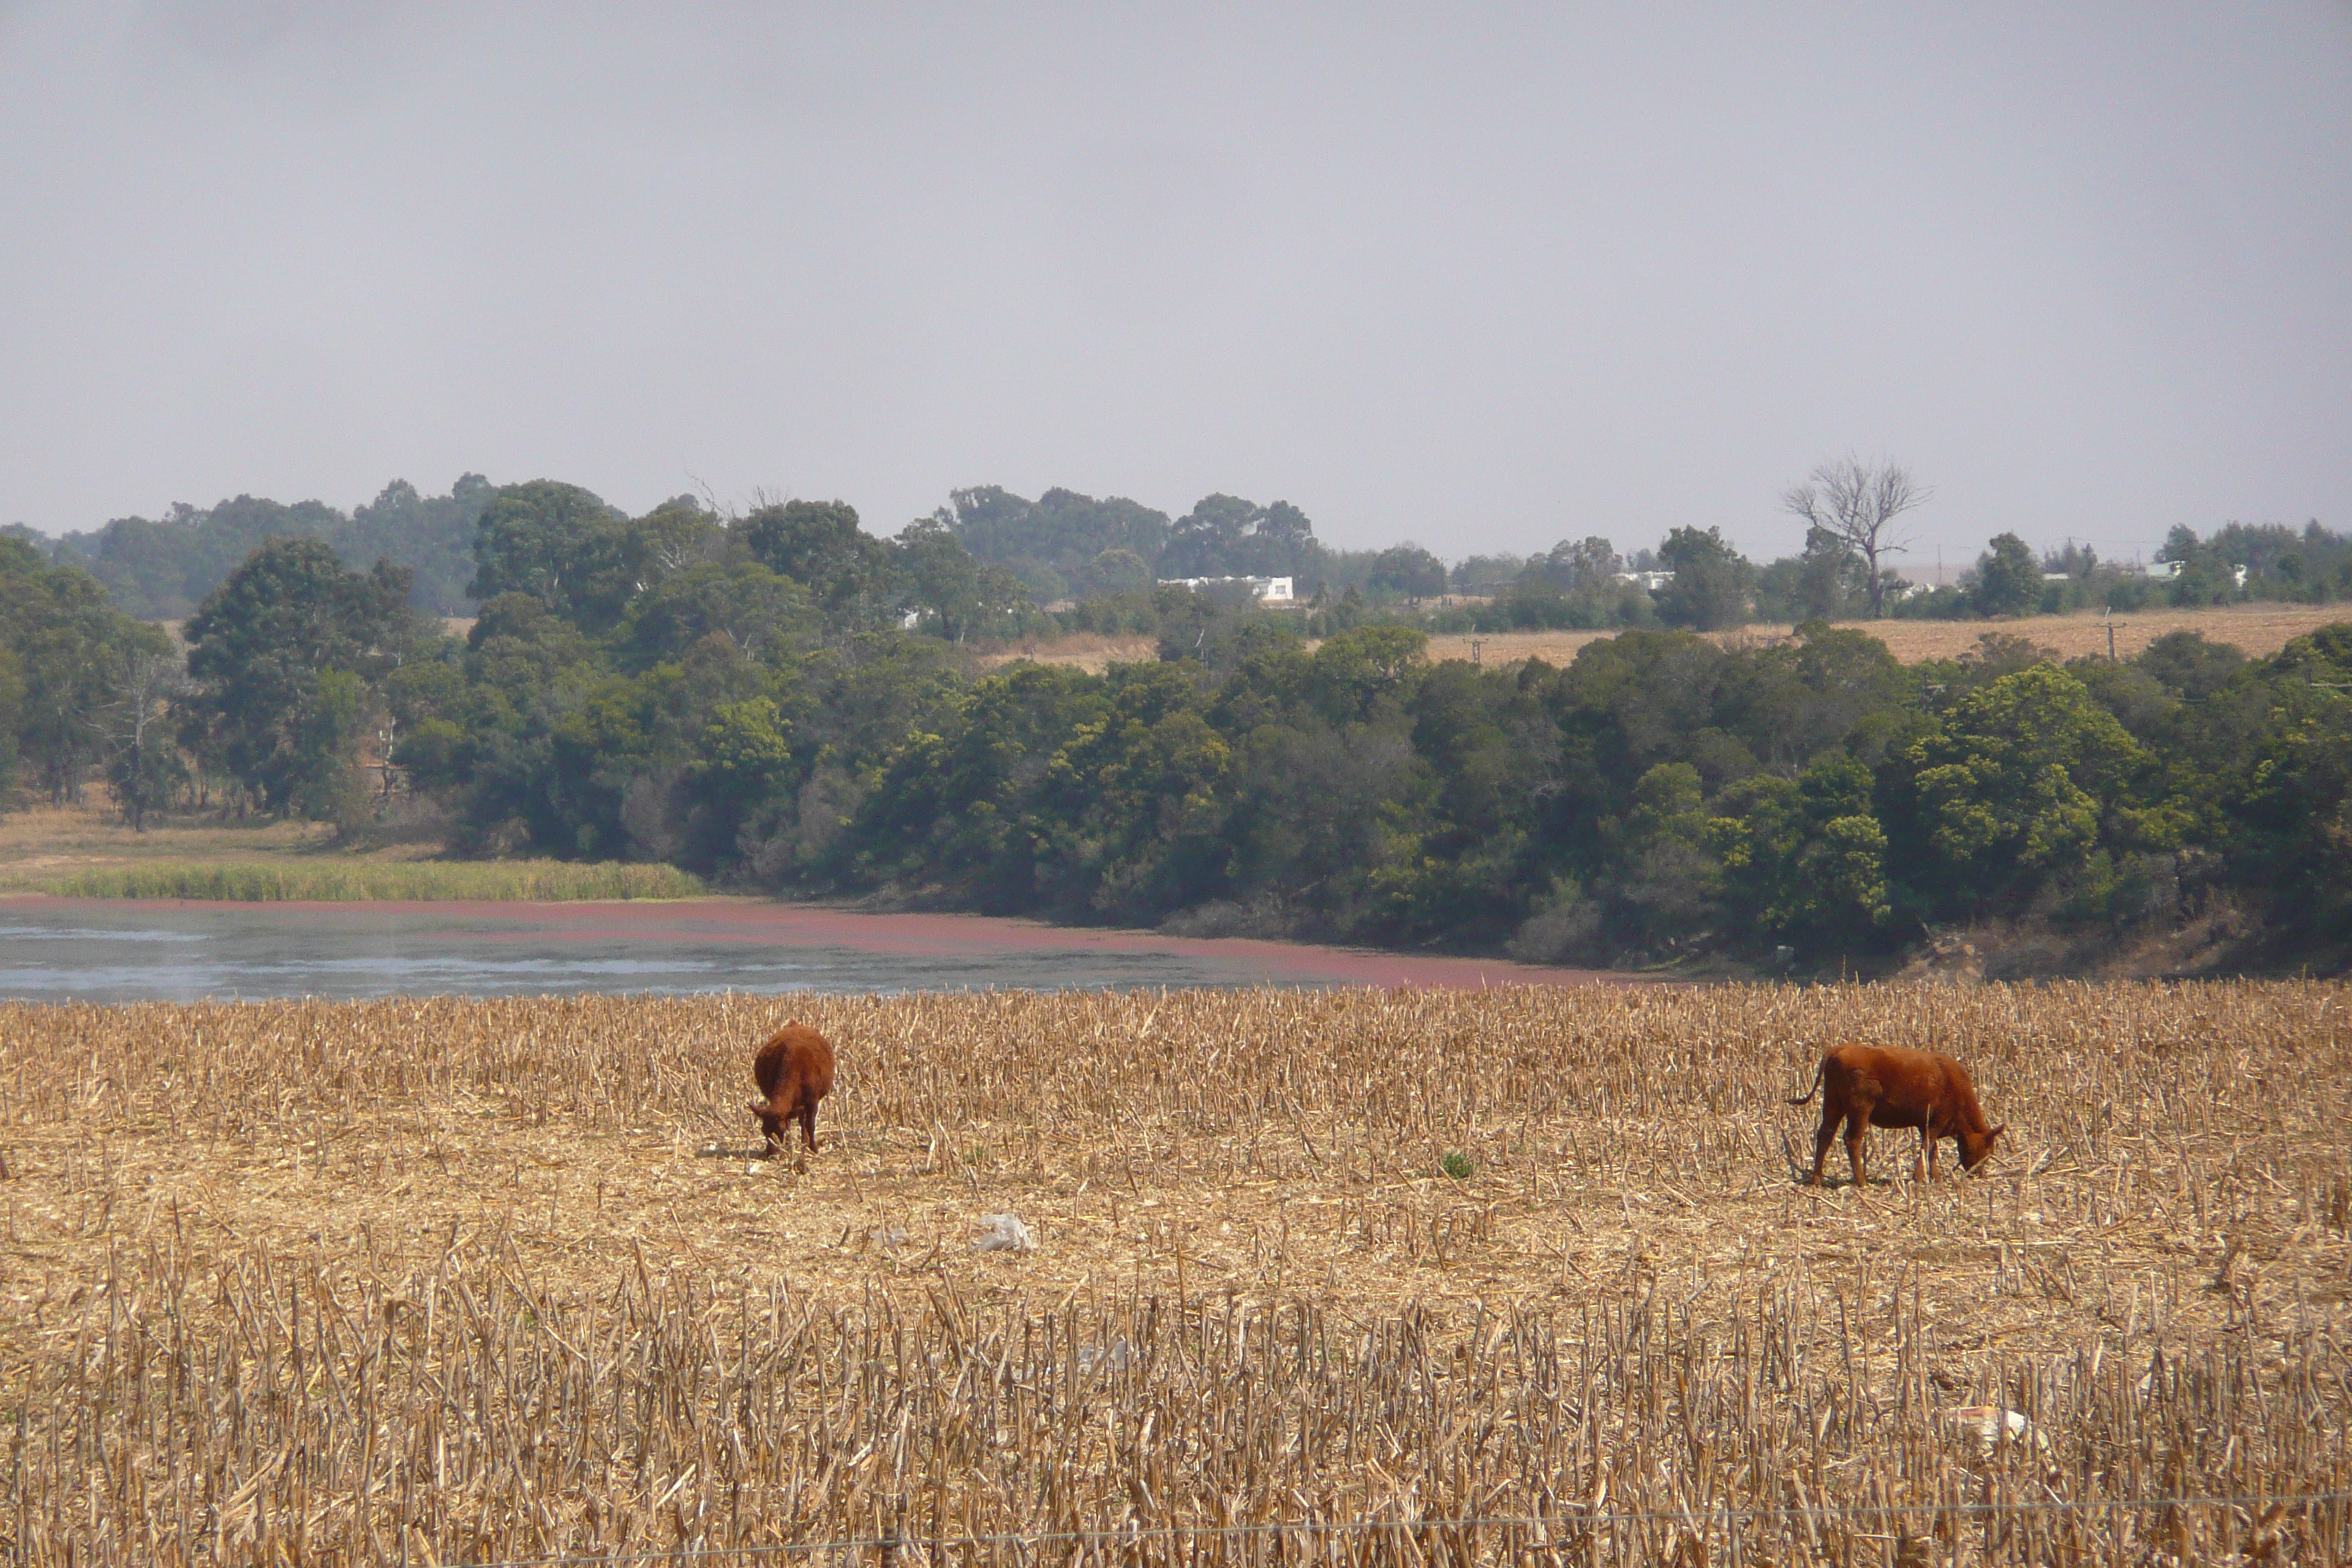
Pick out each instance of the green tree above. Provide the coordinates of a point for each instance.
(12, 718)
(262, 648)
(1140, 795)
(161, 568)
(762, 613)
(1805, 859)
(62, 654)
(819, 545)
(2292, 815)
(1352, 673)
(1115, 571)
(1665, 871)
(1577, 566)
(958, 597)
(2009, 578)
(744, 764)
(1225, 536)
(1209, 541)
(1711, 581)
(1828, 582)
(433, 536)
(2024, 779)
(1409, 570)
(559, 543)
(2204, 578)
(319, 770)
(1052, 543)
(1282, 543)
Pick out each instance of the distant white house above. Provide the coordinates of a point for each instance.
(1269, 589)
(1651, 582)
(2165, 570)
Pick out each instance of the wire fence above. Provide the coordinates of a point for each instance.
(2249, 1526)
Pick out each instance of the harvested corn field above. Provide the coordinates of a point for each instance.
(1510, 1276)
(2257, 631)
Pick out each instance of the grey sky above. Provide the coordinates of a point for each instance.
(1485, 282)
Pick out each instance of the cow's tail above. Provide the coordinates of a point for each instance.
(1806, 1098)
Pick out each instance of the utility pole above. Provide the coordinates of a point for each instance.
(1475, 644)
(2108, 615)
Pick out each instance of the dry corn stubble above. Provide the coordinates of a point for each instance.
(331, 1282)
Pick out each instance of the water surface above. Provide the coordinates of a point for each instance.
(92, 950)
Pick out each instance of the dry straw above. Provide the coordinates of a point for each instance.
(454, 1282)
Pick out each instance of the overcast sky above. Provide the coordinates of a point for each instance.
(1484, 283)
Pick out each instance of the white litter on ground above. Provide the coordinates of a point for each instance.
(1003, 1233)
(1986, 1423)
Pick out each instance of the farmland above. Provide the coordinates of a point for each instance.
(2255, 630)
(473, 1280)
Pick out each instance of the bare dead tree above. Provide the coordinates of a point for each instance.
(142, 755)
(1859, 502)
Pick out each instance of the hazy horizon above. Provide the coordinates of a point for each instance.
(1483, 282)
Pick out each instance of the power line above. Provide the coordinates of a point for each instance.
(1725, 1518)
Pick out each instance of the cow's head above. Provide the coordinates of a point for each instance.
(1976, 1148)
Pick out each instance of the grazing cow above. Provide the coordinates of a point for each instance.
(1894, 1086)
(793, 1070)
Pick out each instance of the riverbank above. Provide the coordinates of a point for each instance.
(85, 850)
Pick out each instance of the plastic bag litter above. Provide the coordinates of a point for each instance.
(1113, 1357)
(1003, 1233)
(1986, 1423)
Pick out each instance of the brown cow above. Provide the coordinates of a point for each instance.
(1895, 1086)
(793, 1070)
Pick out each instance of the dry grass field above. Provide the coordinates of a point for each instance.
(444, 1281)
(2256, 630)
(1089, 651)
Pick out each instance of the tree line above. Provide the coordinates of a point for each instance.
(1066, 549)
(781, 701)
(1704, 583)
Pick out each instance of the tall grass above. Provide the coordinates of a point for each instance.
(362, 881)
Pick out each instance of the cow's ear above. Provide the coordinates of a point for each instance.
(1995, 1133)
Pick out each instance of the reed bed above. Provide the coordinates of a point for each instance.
(471, 1281)
(364, 881)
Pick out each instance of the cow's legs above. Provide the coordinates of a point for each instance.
(808, 1121)
(1857, 1126)
(1927, 1135)
(1824, 1139)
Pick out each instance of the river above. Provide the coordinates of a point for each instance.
(89, 950)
